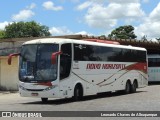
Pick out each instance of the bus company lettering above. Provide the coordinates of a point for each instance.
(113, 66)
(105, 66)
(93, 66)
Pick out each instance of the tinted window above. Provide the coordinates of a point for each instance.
(153, 62)
(100, 53)
(35, 63)
(65, 60)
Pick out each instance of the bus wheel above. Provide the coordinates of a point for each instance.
(78, 93)
(127, 88)
(44, 100)
(133, 87)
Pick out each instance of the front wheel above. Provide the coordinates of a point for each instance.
(78, 93)
(44, 100)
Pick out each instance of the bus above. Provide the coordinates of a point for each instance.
(154, 68)
(71, 68)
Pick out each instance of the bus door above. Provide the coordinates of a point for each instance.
(65, 68)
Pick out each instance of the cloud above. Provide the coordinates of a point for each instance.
(145, 1)
(23, 15)
(83, 33)
(84, 5)
(154, 15)
(60, 31)
(65, 31)
(123, 1)
(88, 4)
(33, 5)
(150, 29)
(105, 16)
(151, 25)
(75, 1)
(100, 20)
(3, 24)
(49, 5)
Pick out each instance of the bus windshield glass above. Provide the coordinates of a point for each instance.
(35, 63)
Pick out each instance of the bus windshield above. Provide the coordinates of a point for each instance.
(35, 63)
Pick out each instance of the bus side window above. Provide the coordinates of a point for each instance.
(158, 62)
(65, 61)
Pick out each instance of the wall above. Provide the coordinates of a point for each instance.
(8, 74)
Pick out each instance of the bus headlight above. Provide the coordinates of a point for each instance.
(21, 87)
(51, 87)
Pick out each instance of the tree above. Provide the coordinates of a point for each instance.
(26, 29)
(123, 32)
(2, 34)
(144, 38)
(158, 39)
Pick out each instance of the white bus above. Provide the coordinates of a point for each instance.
(154, 68)
(65, 68)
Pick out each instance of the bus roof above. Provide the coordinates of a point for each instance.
(64, 40)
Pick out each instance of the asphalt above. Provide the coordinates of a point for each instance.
(7, 92)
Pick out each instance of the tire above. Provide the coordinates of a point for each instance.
(78, 93)
(127, 88)
(44, 100)
(133, 87)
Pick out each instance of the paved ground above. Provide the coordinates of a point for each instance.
(146, 99)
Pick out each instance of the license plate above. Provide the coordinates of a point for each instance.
(34, 94)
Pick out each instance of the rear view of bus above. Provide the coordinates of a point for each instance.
(154, 68)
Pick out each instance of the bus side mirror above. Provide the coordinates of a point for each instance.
(54, 55)
(10, 57)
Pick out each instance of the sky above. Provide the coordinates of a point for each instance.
(91, 17)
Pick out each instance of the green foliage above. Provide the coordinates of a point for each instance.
(2, 34)
(123, 32)
(26, 29)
